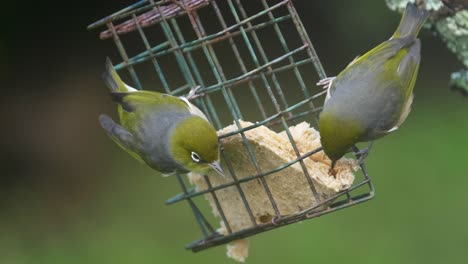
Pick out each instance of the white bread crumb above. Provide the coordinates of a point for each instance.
(238, 250)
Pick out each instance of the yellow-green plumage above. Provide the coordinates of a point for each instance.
(167, 133)
(372, 96)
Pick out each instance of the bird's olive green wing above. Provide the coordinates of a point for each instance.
(407, 72)
(408, 66)
(145, 100)
(134, 106)
(380, 65)
(368, 66)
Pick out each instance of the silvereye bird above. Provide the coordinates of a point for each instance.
(166, 132)
(372, 96)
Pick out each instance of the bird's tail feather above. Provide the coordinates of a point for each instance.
(411, 22)
(112, 78)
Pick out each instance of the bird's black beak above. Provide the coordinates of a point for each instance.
(217, 167)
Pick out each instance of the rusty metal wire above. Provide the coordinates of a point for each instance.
(185, 36)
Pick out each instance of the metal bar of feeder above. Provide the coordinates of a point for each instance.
(286, 49)
(252, 72)
(273, 97)
(301, 162)
(116, 15)
(263, 55)
(297, 116)
(196, 44)
(364, 170)
(209, 54)
(146, 55)
(277, 115)
(311, 209)
(218, 204)
(281, 94)
(124, 55)
(223, 32)
(237, 33)
(239, 59)
(150, 17)
(218, 239)
(239, 188)
(155, 62)
(249, 76)
(305, 38)
(201, 220)
(256, 72)
(180, 90)
(213, 61)
(206, 102)
(179, 56)
(126, 12)
(173, 42)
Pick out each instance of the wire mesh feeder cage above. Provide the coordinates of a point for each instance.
(253, 61)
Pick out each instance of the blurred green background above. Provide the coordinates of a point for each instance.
(69, 195)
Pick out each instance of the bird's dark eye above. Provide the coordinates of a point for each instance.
(195, 157)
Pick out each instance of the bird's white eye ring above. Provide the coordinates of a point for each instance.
(195, 157)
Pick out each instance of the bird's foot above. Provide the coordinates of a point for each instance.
(193, 93)
(325, 83)
(363, 153)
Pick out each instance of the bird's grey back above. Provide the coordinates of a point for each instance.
(154, 138)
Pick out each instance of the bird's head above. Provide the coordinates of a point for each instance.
(338, 134)
(194, 145)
